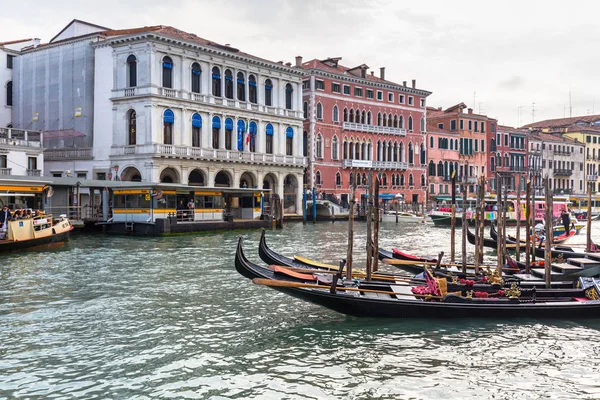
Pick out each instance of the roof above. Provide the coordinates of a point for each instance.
(547, 137)
(77, 21)
(15, 41)
(563, 122)
(331, 65)
(504, 128)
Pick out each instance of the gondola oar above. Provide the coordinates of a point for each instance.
(277, 283)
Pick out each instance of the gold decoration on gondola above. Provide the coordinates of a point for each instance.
(592, 294)
(513, 292)
(495, 278)
(469, 294)
(455, 280)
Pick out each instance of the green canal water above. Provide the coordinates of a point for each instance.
(170, 318)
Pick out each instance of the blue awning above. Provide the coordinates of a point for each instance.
(196, 121)
(167, 65)
(241, 125)
(229, 124)
(269, 129)
(196, 71)
(216, 76)
(253, 128)
(289, 132)
(216, 122)
(168, 116)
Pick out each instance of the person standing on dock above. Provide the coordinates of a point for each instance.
(566, 221)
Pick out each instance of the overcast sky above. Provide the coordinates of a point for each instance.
(499, 58)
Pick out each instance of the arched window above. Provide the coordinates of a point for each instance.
(167, 72)
(269, 136)
(423, 180)
(345, 149)
(196, 129)
(431, 170)
(319, 146)
(384, 120)
(228, 84)
(410, 123)
(253, 128)
(304, 143)
(351, 115)
(216, 128)
(422, 124)
(402, 180)
(336, 114)
(196, 71)
(423, 160)
(411, 181)
(364, 178)
(241, 87)
(305, 110)
(241, 131)
(319, 111)
(229, 134)
(440, 169)
(9, 93)
(369, 118)
(401, 122)
(384, 180)
(431, 142)
(390, 120)
(131, 128)
(289, 141)
(318, 178)
(338, 179)
(411, 154)
(440, 143)
(168, 121)
(268, 93)
(395, 121)
(350, 179)
(335, 148)
(451, 144)
(345, 115)
(131, 71)
(252, 94)
(379, 119)
(402, 155)
(216, 82)
(289, 93)
(363, 117)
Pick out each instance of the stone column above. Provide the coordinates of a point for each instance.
(222, 132)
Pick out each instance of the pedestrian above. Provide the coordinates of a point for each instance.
(5, 216)
(566, 221)
(191, 204)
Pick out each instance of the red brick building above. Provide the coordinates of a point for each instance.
(356, 123)
(472, 132)
(507, 156)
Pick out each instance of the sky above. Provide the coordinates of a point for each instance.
(517, 61)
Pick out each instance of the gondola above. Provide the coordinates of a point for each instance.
(398, 302)
(487, 242)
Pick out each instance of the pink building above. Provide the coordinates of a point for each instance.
(356, 123)
(443, 156)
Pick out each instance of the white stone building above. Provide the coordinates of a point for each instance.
(160, 105)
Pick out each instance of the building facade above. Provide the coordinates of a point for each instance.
(562, 162)
(507, 159)
(157, 104)
(356, 123)
(443, 159)
(473, 131)
(582, 129)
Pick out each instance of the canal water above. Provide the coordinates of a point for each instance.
(169, 318)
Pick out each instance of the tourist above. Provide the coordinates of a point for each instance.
(566, 220)
(5, 216)
(191, 204)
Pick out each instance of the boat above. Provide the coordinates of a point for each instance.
(402, 217)
(36, 232)
(401, 301)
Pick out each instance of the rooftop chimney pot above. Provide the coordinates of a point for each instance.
(414, 83)
(372, 73)
(404, 83)
(298, 61)
(36, 42)
(382, 73)
(470, 110)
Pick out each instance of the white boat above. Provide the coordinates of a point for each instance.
(402, 217)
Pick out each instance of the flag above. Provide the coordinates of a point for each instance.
(247, 134)
(380, 178)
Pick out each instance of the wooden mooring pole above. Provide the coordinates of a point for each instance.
(548, 233)
(528, 228)
(588, 233)
(350, 231)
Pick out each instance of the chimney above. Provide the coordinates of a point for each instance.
(414, 83)
(404, 83)
(36, 42)
(288, 64)
(470, 110)
(439, 108)
(372, 73)
(298, 61)
(382, 73)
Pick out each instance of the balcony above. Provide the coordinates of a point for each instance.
(563, 172)
(351, 126)
(562, 153)
(518, 168)
(591, 178)
(84, 153)
(197, 153)
(5, 171)
(469, 179)
(34, 172)
(20, 138)
(370, 164)
(563, 191)
(184, 95)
